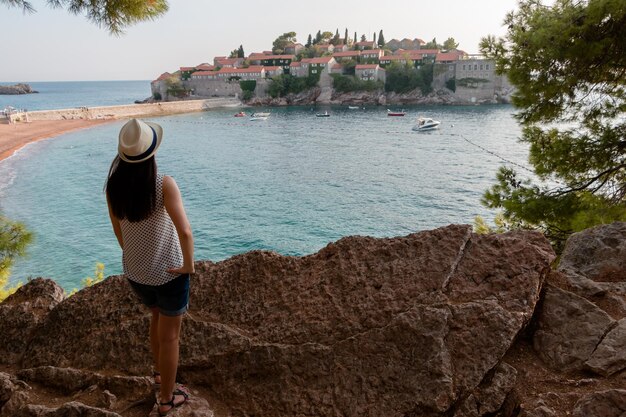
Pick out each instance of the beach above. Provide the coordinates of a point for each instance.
(14, 136)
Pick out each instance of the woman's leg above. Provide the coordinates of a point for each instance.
(169, 334)
(154, 343)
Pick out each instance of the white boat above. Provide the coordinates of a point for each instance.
(325, 114)
(353, 107)
(254, 118)
(426, 123)
(260, 114)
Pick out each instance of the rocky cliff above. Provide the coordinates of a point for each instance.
(16, 89)
(314, 96)
(436, 323)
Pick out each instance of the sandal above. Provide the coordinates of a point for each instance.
(171, 403)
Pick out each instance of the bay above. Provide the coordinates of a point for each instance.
(290, 184)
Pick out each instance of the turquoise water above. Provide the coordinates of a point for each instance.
(70, 94)
(291, 184)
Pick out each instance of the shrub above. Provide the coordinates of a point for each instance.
(451, 84)
(349, 83)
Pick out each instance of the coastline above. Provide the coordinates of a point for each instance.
(15, 136)
(46, 124)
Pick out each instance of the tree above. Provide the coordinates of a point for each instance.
(240, 52)
(234, 53)
(309, 41)
(14, 238)
(278, 47)
(326, 36)
(114, 16)
(363, 38)
(318, 37)
(567, 63)
(381, 39)
(449, 44)
(432, 45)
(374, 39)
(355, 38)
(345, 37)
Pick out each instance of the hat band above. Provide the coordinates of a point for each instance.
(147, 152)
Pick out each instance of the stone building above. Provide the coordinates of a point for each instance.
(370, 72)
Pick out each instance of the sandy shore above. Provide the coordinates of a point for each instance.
(15, 136)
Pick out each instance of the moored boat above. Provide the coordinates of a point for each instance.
(260, 114)
(426, 123)
(325, 114)
(256, 118)
(240, 114)
(353, 107)
(395, 113)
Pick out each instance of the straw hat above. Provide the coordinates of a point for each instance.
(139, 140)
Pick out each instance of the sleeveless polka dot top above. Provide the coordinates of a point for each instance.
(151, 246)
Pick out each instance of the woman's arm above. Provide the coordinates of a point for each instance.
(117, 229)
(174, 206)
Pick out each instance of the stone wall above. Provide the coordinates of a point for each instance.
(133, 110)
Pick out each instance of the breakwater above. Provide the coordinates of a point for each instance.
(133, 110)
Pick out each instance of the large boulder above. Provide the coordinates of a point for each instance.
(581, 324)
(21, 313)
(609, 403)
(412, 325)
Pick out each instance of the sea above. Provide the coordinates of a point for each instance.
(289, 184)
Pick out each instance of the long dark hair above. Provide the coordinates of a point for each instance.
(131, 189)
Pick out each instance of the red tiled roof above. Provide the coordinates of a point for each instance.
(425, 51)
(371, 51)
(293, 44)
(253, 68)
(338, 66)
(319, 60)
(294, 64)
(365, 43)
(325, 46)
(272, 68)
(163, 76)
(346, 54)
(205, 67)
(187, 68)
(399, 57)
(446, 56)
(228, 60)
(366, 66)
(256, 57)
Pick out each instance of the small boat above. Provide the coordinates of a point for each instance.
(240, 114)
(395, 113)
(353, 107)
(325, 114)
(255, 118)
(424, 124)
(260, 114)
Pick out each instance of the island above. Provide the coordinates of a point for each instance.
(19, 88)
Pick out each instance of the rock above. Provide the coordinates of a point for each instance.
(569, 329)
(489, 396)
(194, 407)
(541, 411)
(7, 388)
(598, 253)
(610, 355)
(398, 326)
(69, 381)
(21, 313)
(16, 89)
(610, 403)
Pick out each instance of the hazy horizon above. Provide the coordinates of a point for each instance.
(54, 45)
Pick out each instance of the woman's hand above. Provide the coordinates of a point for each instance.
(182, 270)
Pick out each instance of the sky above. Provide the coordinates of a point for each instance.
(54, 45)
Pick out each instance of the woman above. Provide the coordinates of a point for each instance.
(152, 229)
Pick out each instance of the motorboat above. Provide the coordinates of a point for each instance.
(395, 113)
(260, 114)
(240, 114)
(426, 123)
(353, 107)
(325, 114)
(256, 118)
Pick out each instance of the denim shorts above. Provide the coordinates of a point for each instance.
(171, 298)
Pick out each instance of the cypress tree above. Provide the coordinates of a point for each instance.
(374, 39)
(309, 41)
(345, 39)
(381, 39)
